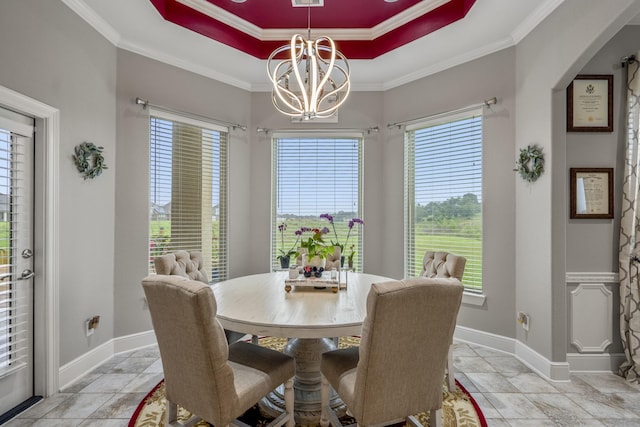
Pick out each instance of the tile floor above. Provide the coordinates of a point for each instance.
(508, 392)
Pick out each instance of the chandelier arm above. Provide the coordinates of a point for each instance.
(296, 70)
(297, 107)
(279, 90)
(317, 90)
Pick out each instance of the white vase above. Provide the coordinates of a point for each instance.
(316, 261)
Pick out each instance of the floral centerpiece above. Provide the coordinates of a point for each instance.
(285, 257)
(316, 247)
(350, 226)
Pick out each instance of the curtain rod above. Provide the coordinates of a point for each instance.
(307, 130)
(146, 104)
(626, 60)
(485, 103)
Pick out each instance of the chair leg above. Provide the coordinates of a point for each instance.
(413, 421)
(254, 339)
(436, 418)
(327, 416)
(288, 402)
(450, 370)
(171, 417)
(324, 402)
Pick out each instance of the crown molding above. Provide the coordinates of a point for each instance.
(534, 19)
(397, 21)
(449, 63)
(93, 19)
(185, 65)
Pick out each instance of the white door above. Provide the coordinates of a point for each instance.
(16, 260)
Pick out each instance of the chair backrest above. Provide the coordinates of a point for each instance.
(443, 264)
(403, 349)
(182, 263)
(193, 347)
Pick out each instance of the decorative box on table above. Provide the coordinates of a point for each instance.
(325, 281)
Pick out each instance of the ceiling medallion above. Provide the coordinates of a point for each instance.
(313, 81)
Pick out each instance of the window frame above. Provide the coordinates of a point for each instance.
(473, 294)
(219, 147)
(357, 231)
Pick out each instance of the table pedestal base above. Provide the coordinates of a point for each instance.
(307, 383)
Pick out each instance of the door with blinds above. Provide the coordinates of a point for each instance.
(16, 260)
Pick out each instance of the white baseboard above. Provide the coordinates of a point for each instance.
(487, 339)
(556, 371)
(77, 368)
(604, 362)
(72, 371)
(134, 341)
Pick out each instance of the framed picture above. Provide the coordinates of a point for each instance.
(591, 193)
(590, 103)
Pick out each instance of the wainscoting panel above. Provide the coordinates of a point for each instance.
(592, 312)
(591, 317)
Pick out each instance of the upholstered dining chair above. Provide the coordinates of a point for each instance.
(213, 380)
(191, 266)
(398, 369)
(444, 264)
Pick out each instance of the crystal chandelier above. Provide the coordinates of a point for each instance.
(313, 81)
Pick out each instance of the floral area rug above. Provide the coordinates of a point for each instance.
(458, 407)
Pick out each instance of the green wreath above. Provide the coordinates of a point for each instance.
(530, 163)
(89, 160)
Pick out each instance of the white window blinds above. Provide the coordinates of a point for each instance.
(443, 185)
(314, 176)
(188, 190)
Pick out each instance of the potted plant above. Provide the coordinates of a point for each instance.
(337, 243)
(315, 246)
(285, 256)
(350, 257)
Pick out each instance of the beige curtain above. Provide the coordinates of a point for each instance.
(629, 258)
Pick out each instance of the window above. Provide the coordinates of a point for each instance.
(313, 176)
(443, 192)
(188, 190)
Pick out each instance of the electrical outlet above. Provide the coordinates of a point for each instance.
(88, 329)
(91, 325)
(523, 319)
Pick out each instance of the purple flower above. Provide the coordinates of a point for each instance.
(325, 230)
(282, 227)
(302, 230)
(327, 217)
(355, 221)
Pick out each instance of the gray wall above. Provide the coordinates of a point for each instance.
(50, 54)
(474, 82)
(601, 149)
(168, 86)
(592, 245)
(546, 61)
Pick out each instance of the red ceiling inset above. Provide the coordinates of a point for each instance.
(271, 15)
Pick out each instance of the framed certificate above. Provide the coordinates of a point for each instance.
(591, 193)
(590, 103)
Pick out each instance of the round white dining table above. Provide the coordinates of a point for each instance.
(311, 318)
